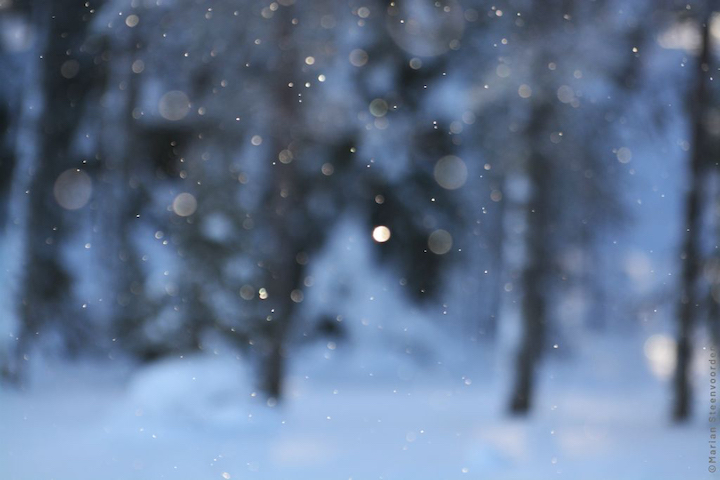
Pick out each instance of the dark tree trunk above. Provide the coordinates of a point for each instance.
(538, 258)
(543, 119)
(46, 284)
(690, 269)
(534, 280)
(274, 370)
(285, 214)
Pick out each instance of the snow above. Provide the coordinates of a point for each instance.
(598, 417)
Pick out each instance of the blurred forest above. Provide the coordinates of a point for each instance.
(173, 169)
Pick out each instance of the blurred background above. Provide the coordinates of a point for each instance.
(358, 239)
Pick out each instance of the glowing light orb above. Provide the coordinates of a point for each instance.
(132, 21)
(174, 105)
(247, 292)
(378, 107)
(184, 205)
(440, 242)
(660, 352)
(72, 189)
(297, 296)
(381, 234)
(624, 155)
(450, 172)
(358, 57)
(70, 69)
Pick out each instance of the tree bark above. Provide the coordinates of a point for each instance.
(690, 268)
(537, 262)
(284, 273)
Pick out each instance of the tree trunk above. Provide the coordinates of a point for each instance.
(537, 261)
(690, 269)
(274, 369)
(284, 213)
(534, 284)
(32, 109)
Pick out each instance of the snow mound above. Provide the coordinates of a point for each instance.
(200, 389)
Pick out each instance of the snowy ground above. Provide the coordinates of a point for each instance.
(601, 415)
